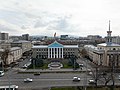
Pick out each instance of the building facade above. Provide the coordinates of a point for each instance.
(4, 36)
(25, 37)
(54, 50)
(105, 54)
(25, 45)
(14, 54)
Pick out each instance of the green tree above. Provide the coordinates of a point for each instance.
(39, 63)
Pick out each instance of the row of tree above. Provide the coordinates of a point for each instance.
(72, 62)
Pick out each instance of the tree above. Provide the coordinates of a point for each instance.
(96, 75)
(73, 61)
(4, 56)
(84, 52)
(38, 62)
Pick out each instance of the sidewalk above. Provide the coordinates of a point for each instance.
(50, 70)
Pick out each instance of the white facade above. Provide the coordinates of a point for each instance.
(54, 50)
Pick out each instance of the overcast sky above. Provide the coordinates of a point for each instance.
(72, 17)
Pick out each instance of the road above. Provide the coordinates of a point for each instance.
(49, 79)
(44, 80)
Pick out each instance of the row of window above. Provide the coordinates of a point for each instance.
(43, 53)
(70, 49)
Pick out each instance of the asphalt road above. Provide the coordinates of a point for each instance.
(48, 79)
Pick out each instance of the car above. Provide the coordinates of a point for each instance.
(30, 59)
(28, 80)
(25, 66)
(20, 60)
(104, 73)
(90, 73)
(91, 81)
(2, 73)
(36, 74)
(119, 77)
(81, 65)
(89, 70)
(76, 79)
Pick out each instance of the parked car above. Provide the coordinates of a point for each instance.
(76, 79)
(1, 73)
(103, 73)
(81, 65)
(90, 73)
(119, 77)
(88, 70)
(28, 80)
(25, 66)
(91, 81)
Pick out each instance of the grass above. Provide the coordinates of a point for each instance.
(66, 66)
(64, 62)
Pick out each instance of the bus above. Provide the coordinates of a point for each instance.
(9, 87)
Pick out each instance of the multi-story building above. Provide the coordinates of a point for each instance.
(64, 37)
(94, 37)
(25, 37)
(4, 37)
(25, 45)
(54, 50)
(116, 39)
(106, 54)
(14, 54)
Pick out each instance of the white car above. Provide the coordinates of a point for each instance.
(28, 80)
(119, 77)
(76, 79)
(81, 65)
(89, 70)
(90, 73)
(2, 73)
(91, 81)
(25, 66)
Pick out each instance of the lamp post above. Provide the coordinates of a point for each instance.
(85, 76)
(34, 65)
(9, 77)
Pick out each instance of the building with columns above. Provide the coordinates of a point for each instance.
(105, 54)
(54, 50)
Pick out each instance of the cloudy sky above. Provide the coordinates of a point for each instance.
(72, 17)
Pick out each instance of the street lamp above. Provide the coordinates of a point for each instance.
(85, 76)
(34, 65)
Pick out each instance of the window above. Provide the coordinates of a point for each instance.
(114, 49)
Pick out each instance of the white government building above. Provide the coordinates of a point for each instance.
(54, 50)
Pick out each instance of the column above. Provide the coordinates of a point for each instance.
(54, 52)
(98, 59)
(57, 52)
(51, 52)
(48, 52)
(62, 52)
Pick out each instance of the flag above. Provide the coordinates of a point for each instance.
(55, 34)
